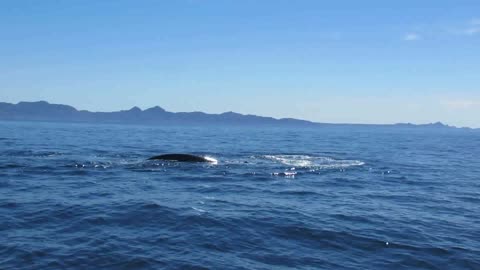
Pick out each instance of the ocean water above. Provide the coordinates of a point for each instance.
(79, 196)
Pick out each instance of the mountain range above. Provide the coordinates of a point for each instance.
(44, 111)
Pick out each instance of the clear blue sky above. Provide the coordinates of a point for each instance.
(327, 61)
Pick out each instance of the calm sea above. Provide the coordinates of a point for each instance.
(79, 196)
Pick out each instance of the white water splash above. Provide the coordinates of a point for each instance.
(306, 161)
(211, 160)
(285, 174)
(292, 160)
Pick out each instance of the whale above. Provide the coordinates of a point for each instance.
(183, 158)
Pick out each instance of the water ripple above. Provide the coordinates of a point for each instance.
(85, 196)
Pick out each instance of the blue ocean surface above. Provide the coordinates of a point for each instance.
(81, 196)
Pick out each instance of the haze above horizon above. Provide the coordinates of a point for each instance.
(348, 61)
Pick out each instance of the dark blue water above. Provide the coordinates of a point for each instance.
(77, 196)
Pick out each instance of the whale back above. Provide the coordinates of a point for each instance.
(180, 158)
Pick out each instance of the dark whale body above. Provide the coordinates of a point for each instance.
(182, 158)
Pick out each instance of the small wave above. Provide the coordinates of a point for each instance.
(47, 154)
(91, 165)
(17, 153)
(199, 210)
(30, 153)
(298, 192)
(8, 204)
(11, 166)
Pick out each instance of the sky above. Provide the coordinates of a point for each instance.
(370, 61)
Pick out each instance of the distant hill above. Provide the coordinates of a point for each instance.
(44, 111)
